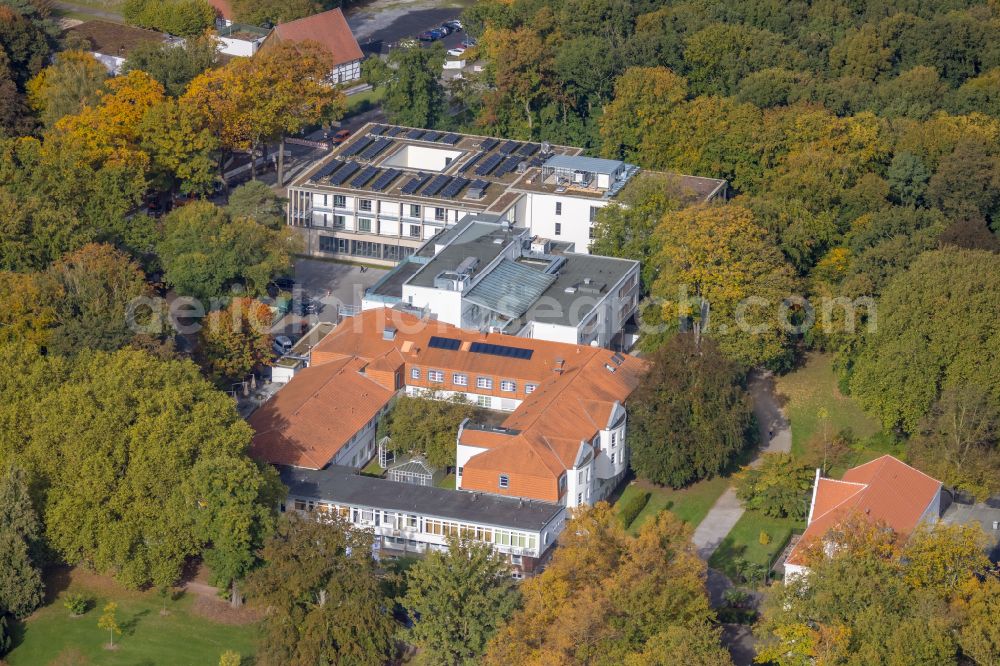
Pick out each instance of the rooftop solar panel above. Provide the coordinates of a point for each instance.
(488, 165)
(437, 342)
(395, 130)
(477, 189)
(414, 134)
(528, 149)
(431, 136)
(414, 183)
(343, 174)
(364, 176)
(326, 170)
(509, 165)
(435, 185)
(451, 139)
(382, 182)
(489, 144)
(371, 151)
(358, 146)
(471, 162)
(377, 130)
(452, 189)
(500, 350)
(509, 147)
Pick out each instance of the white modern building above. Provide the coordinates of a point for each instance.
(379, 196)
(486, 274)
(241, 40)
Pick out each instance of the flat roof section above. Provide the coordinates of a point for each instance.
(478, 241)
(510, 289)
(342, 485)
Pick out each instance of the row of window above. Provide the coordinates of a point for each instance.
(462, 379)
(359, 248)
(414, 523)
(340, 201)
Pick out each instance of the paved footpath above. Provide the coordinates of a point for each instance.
(775, 431)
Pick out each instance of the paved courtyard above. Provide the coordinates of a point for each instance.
(332, 285)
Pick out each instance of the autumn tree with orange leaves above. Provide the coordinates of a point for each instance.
(236, 339)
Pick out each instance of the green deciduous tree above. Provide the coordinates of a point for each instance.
(427, 427)
(720, 55)
(20, 535)
(413, 92)
(959, 440)
(689, 416)
(778, 486)
(936, 329)
(203, 251)
(65, 86)
(174, 66)
(180, 152)
(109, 621)
(644, 98)
(462, 597)
(113, 469)
(257, 201)
(93, 291)
(186, 18)
(607, 598)
(717, 261)
(324, 602)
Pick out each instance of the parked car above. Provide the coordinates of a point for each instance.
(446, 29)
(341, 136)
(282, 345)
(430, 36)
(457, 51)
(468, 42)
(455, 25)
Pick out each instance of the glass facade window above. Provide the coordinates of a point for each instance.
(484, 383)
(414, 210)
(459, 379)
(339, 201)
(593, 213)
(508, 385)
(364, 224)
(414, 231)
(331, 244)
(439, 214)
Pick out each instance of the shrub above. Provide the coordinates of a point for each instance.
(764, 538)
(4, 634)
(77, 604)
(735, 597)
(230, 658)
(632, 508)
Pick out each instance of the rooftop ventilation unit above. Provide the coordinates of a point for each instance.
(389, 333)
(541, 245)
(467, 266)
(451, 281)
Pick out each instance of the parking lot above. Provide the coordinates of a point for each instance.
(329, 284)
(380, 25)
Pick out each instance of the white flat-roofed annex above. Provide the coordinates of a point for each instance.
(422, 158)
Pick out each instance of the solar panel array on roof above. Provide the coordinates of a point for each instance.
(377, 147)
(364, 176)
(358, 146)
(509, 165)
(342, 175)
(437, 342)
(435, 185)
(326, 170)
(509, 147)
(382, 182)
(471, 162)
(500, 350)
(377, 130)
(414, 183)
(489, 164)
(414, 134)
(451, 139)
(395, 130)
(431, 136)
(489, 144)
(528, 149)
(452, 189)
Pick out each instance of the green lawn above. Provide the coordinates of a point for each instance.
(743, 541)
(149, 638)
(810, 390)
(363, 101)
(689, 504)
(447, 482)
(373, 468)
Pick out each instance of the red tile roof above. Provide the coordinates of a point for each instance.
(329, 29)
(575, 396)
(885, 490)
(223, 7)
(308, 421)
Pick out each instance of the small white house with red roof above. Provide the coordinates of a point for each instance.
(885, 490)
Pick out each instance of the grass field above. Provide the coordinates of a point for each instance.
(447, 482)
(810, 390)
(185, 635)
(363, 101)
(689, 504)
(743, 541)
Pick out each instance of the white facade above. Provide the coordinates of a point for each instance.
(563, 218)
